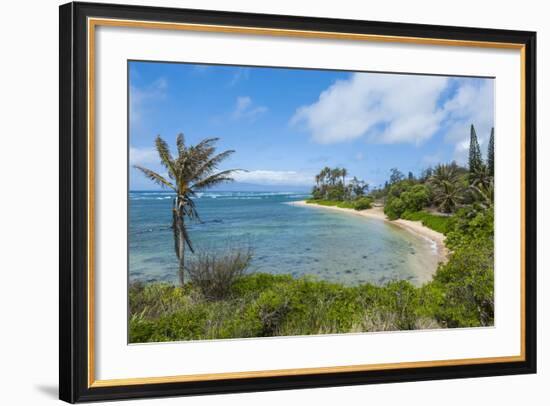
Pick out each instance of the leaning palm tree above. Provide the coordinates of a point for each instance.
(193, 170)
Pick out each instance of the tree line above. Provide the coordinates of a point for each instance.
(330, 184)
(447, 187)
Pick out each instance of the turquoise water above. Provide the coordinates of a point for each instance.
(285, 239)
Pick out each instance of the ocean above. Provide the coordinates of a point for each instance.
(284, 239)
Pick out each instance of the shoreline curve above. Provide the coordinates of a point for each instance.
(414, 227)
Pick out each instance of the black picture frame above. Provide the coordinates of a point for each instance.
(73, 255)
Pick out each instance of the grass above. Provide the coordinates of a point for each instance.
(334, 203)
(440, 224)
(359, 204)
(264, 305)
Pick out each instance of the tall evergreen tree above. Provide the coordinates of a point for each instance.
(474, 157)
(491, 153)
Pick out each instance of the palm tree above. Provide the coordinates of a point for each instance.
(324, 174)
(480, 176)
(444, 173)
(344, 173)
(334, 174)
(194, 169)
(448, 190)
(448, 196)
(484, 194)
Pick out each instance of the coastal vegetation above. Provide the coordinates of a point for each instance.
(435, 222)
(223, 298)
(361, 203)
(193, 170)
(330, 184)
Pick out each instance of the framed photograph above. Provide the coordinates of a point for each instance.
(258, 202)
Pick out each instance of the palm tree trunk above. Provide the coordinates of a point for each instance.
(181, 249)
(179, 239)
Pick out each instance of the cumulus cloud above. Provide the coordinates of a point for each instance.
(387, 108)
(269, 177)
(399, 109)
(245, 109)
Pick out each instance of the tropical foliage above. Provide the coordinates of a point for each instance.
(192, 170)
(405, 196)
(330, 184)
(223, 298)
(445, 188)
(439, 223)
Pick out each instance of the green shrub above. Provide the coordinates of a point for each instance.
(416, 197)
(336, 193)
(270, 309)
(394, 207)
(215, 274)
(256, 283)
(334, 203)
(362, 203)
(467, 283)
(438, 223)
(468, 224)
(274, 305)
(405, 196)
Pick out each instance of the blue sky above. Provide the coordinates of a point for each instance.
(286, 124)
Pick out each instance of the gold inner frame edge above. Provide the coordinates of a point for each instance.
(94, 22)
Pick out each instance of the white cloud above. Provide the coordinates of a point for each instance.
(143, 156)
(400, 109)
(470, 105)
(245, 109)
(268, 177)
(140, 96)
(386, 108)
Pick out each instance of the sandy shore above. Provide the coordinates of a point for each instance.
(415, 227)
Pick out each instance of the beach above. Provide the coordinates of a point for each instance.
(415, 227)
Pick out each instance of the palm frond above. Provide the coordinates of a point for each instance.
(165, 156)
(189, 159)
(189, 208)
(180, 143)
(206, 143)
(155, 177)
(205, 169)
(213, 180)
(187, 239)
